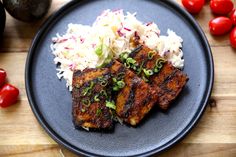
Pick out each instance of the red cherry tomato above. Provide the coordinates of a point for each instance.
(233, 17)
(221, 7)
(233, 38)
(3, 76)
(8, 95)
(220, 25)
(193, 6)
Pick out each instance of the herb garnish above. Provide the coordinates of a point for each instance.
(99, 112)
(151, 55)
(148, 72)
(96, 98)
(87, 90)
(118, 83)
(111, 104)
(86, 102)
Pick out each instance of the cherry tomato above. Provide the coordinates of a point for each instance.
(233, 38)
(8, 95)
(220, 25)
(3, 76)
(221, 7)
(233, 17)
(193, 6)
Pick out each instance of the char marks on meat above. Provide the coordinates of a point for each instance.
(89, 86)
(136, 99)
(168, 81)
(135, 82)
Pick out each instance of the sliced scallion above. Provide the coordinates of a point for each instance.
(127, 65)
(115, 88)
(148, 72)
(104, 83)
(114, 79)
(150, 55)
(104, 93)
(121, 84)
(96, 98)
(91, 85)
(123, 56)
(86, 102)
(145, 79)
(134, 67)
(130, 60)
(160, 62)
(85, 91)
(140, 69)
(99, 111)
(120, 75)
(111, 104)
(156, 70)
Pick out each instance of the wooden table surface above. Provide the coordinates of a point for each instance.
(22, 136)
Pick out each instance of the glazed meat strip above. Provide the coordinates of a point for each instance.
(135, 99)
(90, 94)
(167, 80)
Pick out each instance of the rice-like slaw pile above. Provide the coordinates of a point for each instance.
(85, 46)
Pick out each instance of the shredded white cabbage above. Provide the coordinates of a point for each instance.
(85, 46)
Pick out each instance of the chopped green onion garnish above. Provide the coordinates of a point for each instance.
(121, 84)
(120, 75)
(98, 50)
(150, 55)
(159, 63)
(85, 91)
(82, 110)
(104, 83)
(145, 79)
(96, 98)
(134, 67)
(148, 72)
(130, 60)
(114, 79)
(98, 112)
(110, 104)
(127, 65)
(156, 70)
(104, 93)
(116, 88)
(86, 102)
(123, 56)
(91, 85)
(140, 69)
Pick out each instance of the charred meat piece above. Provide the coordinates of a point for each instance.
(90, 94)
(136, 99)
(167, 80)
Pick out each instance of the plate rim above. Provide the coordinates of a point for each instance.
(60, 140)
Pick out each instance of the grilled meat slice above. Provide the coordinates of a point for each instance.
(90, 93)
(136, 99)
(167, 80)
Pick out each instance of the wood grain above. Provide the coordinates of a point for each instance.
(181, 150)
(22, 136)
(16, 38)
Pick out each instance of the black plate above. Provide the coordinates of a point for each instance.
(51, 101)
